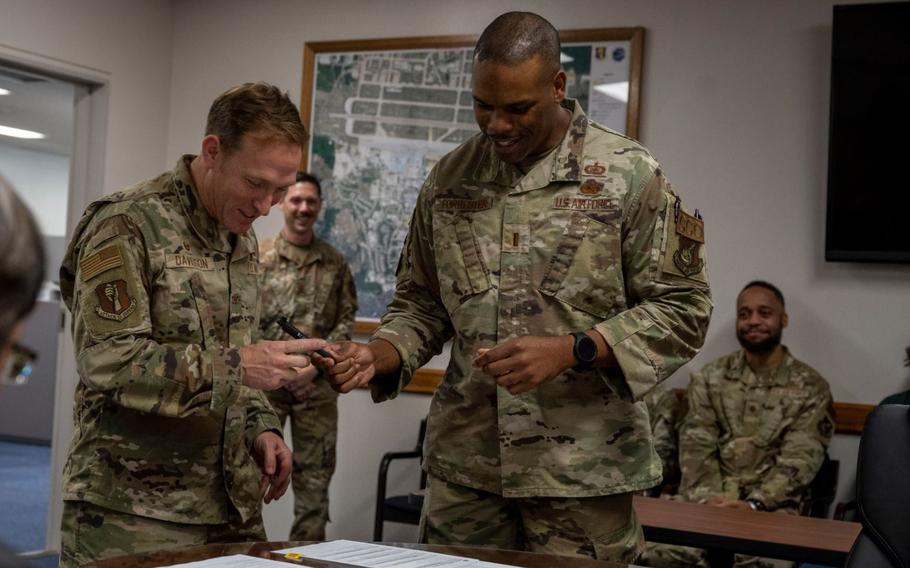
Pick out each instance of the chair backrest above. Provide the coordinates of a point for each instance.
(883, 490)
(421, 436)
(822, 489)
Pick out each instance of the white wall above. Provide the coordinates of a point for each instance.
(130, 43)
(47, 178)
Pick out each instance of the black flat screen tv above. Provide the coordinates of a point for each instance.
(868, 217)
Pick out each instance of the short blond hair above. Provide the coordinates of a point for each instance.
(254, 107)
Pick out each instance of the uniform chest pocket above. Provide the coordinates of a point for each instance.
(204, 309)
(460, 265)
(183, 312)
(325, 288)
(585, 270)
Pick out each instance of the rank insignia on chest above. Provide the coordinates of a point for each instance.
(596, 169)
(114, 302)
(591, 187)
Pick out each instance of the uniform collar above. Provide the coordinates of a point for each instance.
(563, 164)
(300, 255)
(212, 233)
(780, 376)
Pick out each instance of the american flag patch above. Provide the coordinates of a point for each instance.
(100, 262)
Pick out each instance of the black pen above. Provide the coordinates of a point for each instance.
(289, 328)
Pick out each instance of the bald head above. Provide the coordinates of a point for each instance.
(517, 37)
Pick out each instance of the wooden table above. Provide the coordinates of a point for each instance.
(771, 535)
(261, 549)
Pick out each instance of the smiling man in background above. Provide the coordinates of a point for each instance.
(757, 426)
(307, 281)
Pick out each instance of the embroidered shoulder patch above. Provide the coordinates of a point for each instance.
(100, 262)
(691, 232)
(691, 227)
(114, 302)
(684, 242)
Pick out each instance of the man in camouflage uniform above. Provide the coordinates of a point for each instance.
(306, 280)
(174, 442)
(757, 426)
(543, 225)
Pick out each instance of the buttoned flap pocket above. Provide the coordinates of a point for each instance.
(204, 309)
(325, 295)
(460, 265)
(585, 270)
(780, 409)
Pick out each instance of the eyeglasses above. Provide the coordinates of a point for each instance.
(18, 369)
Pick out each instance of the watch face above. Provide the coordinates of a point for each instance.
(586, 349)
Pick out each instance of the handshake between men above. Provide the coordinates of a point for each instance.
(518, 365)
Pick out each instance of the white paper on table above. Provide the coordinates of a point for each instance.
(369, 555)
(234, 561)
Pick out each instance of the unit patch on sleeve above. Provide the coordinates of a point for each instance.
(691, 234)
(683, 241)
(114, 302)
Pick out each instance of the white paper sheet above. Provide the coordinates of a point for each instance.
(369, 555)
(235, 561)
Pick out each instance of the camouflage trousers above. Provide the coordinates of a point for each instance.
(658, 555)
(604, 528)
(314, 433)
(90, 533)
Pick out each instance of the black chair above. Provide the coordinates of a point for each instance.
(822, 490)
(845, 511)
(883, 490)
(399, 508)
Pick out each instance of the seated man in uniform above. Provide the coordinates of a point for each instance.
(757, 427)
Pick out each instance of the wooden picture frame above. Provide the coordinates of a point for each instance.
(381, 111)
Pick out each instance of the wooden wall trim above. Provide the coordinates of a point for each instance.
(425, 381)
(849, 417)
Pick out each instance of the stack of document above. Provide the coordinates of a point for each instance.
(368, 555)
(348, 553)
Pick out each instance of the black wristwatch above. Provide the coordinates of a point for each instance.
(585, 351)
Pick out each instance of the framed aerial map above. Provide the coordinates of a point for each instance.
(382, 112)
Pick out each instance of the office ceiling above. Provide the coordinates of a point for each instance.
(38, 104)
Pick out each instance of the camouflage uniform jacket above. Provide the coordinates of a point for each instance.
(313, 287)
(162, 298)
(585, 239)
(754, 436)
